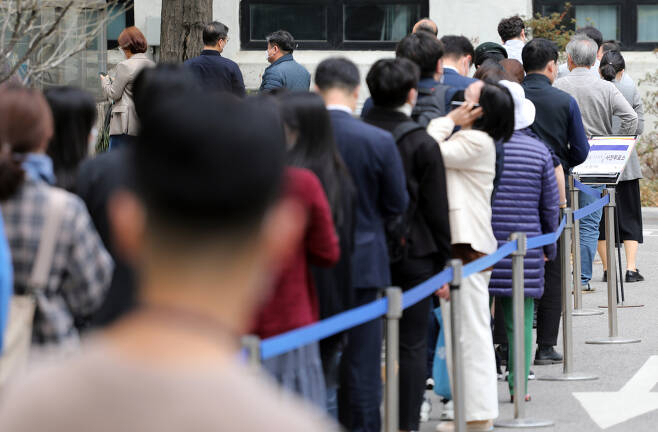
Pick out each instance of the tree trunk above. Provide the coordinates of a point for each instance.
(182, 28)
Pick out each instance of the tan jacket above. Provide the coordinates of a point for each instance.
(469, 157)
(119, 88)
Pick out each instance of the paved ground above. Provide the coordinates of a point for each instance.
(615, 365)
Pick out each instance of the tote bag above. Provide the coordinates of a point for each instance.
(440, 365)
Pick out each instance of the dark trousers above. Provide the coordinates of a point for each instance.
(121, 141)
(360, 392)
(413, 340)
(549, 309)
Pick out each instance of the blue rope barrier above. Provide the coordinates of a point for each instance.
(587, 189)
(280, 344)
(485, 262)
(418, 293)
(591, 208)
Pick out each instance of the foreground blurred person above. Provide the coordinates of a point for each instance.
(206, 238)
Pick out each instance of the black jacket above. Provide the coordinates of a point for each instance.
(216, 73)
(426, 185)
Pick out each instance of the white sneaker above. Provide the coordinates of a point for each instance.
(429, 384)
(425, 410)
(448, 412)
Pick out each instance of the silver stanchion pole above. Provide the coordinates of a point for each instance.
(520, 373)
(578, 309)
(457, 356)
(393, 315)
(613, 337)
(251, 343)
(565, 257)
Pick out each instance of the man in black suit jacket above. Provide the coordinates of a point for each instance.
(215, 72)
(376, 168)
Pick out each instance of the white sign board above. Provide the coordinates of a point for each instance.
(606, 160)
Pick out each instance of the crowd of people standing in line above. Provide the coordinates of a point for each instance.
(214, 215)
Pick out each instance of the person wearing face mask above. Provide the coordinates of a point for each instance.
(284, 71)
(559, 124)
(392, 84)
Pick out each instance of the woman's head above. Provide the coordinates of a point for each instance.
(490, 70)
(74, 113)
(132, 41)
(498, 112)
(26, 126)
(612, 63)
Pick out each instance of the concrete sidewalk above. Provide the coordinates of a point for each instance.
(636, 409)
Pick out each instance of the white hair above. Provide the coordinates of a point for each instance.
(582, 50)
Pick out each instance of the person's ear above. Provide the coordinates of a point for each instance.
(355, 93)
(439, 67)
(412, 96)
(523, 35)
(570, 63)
(127, 218)
(282, 232)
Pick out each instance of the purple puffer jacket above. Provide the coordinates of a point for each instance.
(527, 200)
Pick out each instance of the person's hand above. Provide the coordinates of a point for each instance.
(465, 115)
(545, 258)
(444, 292)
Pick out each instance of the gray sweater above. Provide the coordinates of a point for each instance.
(629, 90)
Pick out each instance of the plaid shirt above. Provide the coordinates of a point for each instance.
(81, 269)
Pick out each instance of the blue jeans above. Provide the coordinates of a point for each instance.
(589, 236)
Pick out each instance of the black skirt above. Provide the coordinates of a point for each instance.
(629, 212)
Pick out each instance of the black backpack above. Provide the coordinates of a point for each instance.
(398, 228)
(431, 103)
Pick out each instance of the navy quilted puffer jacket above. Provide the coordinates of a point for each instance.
(527, 201)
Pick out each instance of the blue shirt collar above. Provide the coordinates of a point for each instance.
(39, 167)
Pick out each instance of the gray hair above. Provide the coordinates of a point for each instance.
(582, 50)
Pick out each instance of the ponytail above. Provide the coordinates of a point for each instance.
(612, 63)
(608, 72)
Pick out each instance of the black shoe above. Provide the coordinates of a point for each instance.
(502, 353)
(546, 355)
(605, 276)
(634, 276)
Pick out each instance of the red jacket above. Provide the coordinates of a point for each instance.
(293, 302)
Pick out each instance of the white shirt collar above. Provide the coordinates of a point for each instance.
(405, 109)
(450, 67)
(343, 108)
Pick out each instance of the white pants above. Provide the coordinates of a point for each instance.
(479, 361)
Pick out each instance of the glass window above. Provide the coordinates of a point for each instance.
(304, 22)
(379, 23)
(605, 18)
(118, 22)
(647, 23)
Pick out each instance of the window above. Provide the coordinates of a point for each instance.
(632, 22)
(331, 24)
(125, 19)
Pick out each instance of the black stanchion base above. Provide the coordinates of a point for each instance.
(586, 312)
(571, 376)
(624, 305)
(523, 423)
(612, 340)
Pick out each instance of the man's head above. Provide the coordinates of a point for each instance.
(581, 51)
(205, 224)
(215, 36)
(426, 25)
(393, 82)
(609, 45)
(594, 34)
(511, 28)
(458, 52)
(338, 80)
(425, 51)
(489, 50)
(540, 56)
(279, 44)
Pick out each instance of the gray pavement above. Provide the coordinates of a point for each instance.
(636, 408)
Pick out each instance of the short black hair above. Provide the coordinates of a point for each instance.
(337, 72)
(213, 32)
(498, 112)
(282, 39)
(510, 28)
(592, 33)
(610, 45)
(423, 49)
(390, 80)
(457, 46)
(162, 81)
(209, 163)
(538, 53)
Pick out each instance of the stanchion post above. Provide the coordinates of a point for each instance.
(251, 343)
(610, 238)
(567, 331)
(458, 396)
(518, 300)
(391, 398)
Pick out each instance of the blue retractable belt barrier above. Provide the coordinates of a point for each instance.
(296, 338)
(591, 208)
(587, 189)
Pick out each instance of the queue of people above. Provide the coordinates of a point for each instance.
(176, 243)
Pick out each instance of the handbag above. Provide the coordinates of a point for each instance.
(18, 333)
(440, 365)
(103, 143)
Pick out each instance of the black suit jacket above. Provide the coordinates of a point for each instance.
(216, 73)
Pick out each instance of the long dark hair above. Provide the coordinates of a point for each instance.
(315, 148)
(74, 113)
(612, 63)
(498, 117)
